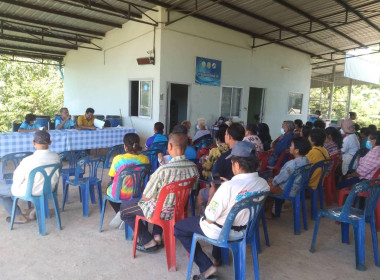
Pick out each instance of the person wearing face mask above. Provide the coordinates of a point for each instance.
(282, 143)
(368, 165)
(202, 132)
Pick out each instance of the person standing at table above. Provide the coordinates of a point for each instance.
(42, 156)
(64, 121)
(87, 120)
(29, 124)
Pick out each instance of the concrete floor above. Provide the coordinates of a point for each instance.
(79, 251)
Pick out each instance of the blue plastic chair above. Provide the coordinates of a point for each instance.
(137, 173)
(302, 171)
(324, 165)
(118, 149)
(152, 155)
(238, 247)
(72, 158)
(161, 145)
(347, 215)
(94, 164)
(40, 202)
(115, 121)
(43, 121)
(13, 159)
(355, 159)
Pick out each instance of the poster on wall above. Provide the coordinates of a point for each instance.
(208, 71)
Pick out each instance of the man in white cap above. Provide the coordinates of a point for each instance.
(42, 156)
(245, 182)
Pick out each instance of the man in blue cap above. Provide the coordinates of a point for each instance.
(245, 182)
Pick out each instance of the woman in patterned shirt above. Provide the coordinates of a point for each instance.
(334, 141)
(131, 157)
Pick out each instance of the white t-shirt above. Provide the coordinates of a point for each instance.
(21, 174)
(230, 192)
(350, 144)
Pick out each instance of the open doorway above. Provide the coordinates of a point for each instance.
(177, 104)
(255, 105)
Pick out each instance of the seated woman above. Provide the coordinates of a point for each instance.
(282, 143)
(251, 136)
(297, 131)
(264, 135)
(334, 141)
(350, 146)
(157, 136)
(299, 148)
(28, 125)
(131, 157)
(187, 124)
(368, 165)
(202, 132)
(317, 153)
(364, 132)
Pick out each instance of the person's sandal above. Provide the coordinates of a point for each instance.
(201, 277)
(140, 247)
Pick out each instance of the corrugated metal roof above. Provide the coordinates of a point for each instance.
(324, 28)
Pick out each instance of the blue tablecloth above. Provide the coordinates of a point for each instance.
(64, 140)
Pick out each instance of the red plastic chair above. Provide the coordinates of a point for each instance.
(203, 152)
(276, 169)
(344, 192)
(263, 157)
(181, 189)
(329, 183)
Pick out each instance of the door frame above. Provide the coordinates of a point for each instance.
(168, 100)
(262, 102)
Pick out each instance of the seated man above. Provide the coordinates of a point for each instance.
(178, 168)
(87, 120)
(202, 132)
(282, 143)
(299, 148)
(28, 125)
(42, 156)
(245, 182)
(64, 121)
(157, 136)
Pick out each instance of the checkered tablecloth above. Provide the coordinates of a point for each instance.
(64, 140)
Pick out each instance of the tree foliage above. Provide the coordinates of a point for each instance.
(28, 88)
(365, 101)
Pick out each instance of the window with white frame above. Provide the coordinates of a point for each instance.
(231, 99)
(141, 98)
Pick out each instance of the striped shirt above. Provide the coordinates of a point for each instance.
(119, 163)
(369, 164)
(178, 168)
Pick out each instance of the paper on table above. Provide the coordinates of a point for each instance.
(98, 123)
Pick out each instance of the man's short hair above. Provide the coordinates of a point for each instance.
(247, 164)
(237, 131)
(179, 128)
(318, 137)
(302, 144)
(178, 139)
(29, 118)
(298, 122)
(90, 110)
(63, 108)
(318, 112)
(319, 124)
(221, 133)
(159, 127)
(290, 125)
(352, 114)
(42, 137)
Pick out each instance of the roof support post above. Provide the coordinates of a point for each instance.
(332, 88)
(349, 98)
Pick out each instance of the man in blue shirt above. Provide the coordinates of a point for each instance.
(64, 121)
(283, 142)
(158, 135)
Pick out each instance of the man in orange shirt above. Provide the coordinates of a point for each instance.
(87, 120)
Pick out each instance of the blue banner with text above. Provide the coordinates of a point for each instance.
(208, 71)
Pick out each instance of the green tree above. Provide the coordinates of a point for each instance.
(28, 88)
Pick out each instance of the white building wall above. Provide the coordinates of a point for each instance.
(100, 79)
(243, 67)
